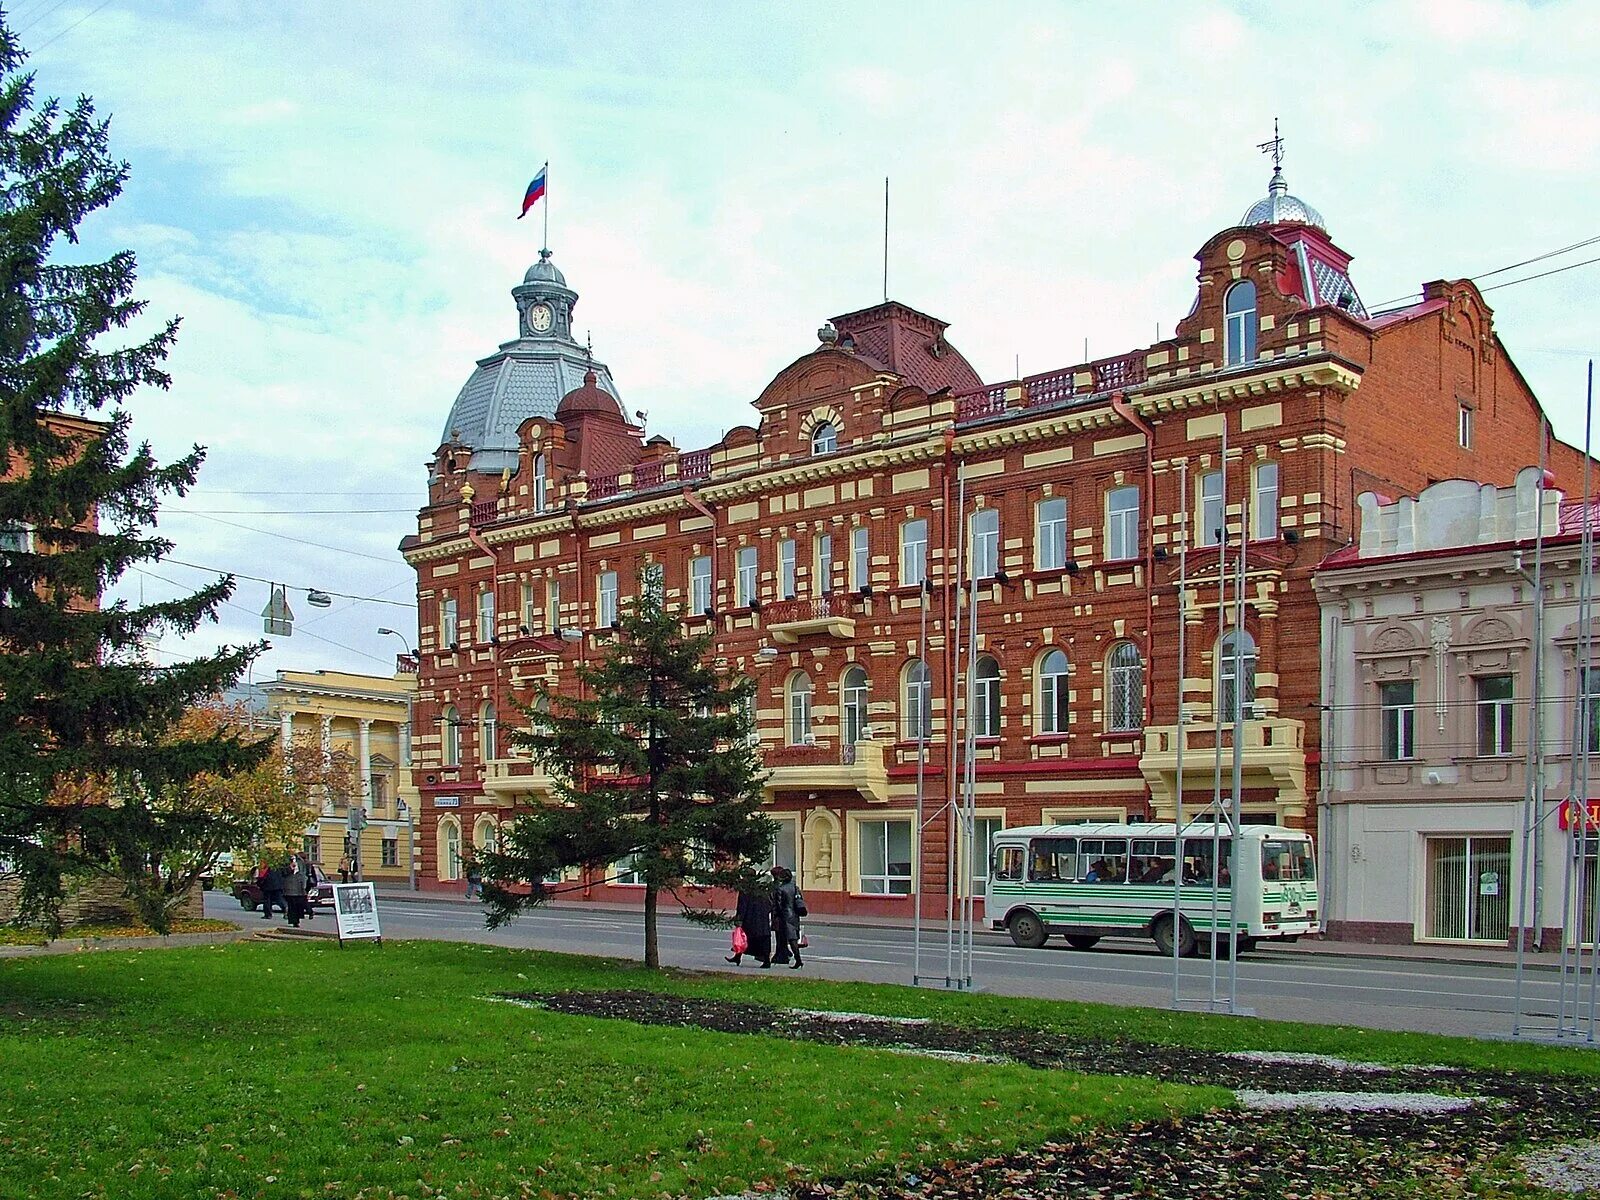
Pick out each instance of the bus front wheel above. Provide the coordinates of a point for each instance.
(1166, 935)
(1027, 930)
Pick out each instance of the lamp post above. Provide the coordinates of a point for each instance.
(405, 747)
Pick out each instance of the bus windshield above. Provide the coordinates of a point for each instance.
(1287, 860)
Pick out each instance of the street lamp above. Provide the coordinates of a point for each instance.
(405, 753)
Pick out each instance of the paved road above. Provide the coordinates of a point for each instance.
(1278, 983)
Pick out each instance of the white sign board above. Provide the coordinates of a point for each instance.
(355, 907)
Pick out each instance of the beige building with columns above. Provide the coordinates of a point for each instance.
(365, 718)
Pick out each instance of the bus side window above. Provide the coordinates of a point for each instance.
(1008, 862)
(1052, 860)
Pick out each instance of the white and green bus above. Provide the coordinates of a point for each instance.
(1090, 881)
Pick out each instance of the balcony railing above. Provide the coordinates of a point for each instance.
(856, 767)
(985, 402)
(694, 465)
(648, 475)
(788, 620)
(1053, 387)
(483, 511)
(603, 487)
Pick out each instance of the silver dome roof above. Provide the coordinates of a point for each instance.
(1278, 206)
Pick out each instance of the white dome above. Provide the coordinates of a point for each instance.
(1278, 207)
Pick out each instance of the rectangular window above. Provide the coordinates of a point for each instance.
(653, 582)
(700, 585)
(860, 559)
(1052, 860)
(785, 843)
(1468, 889)
(1122, 523)
(449, 626)
(485, 616)
(1050, 535)
(625, 871)
(986, 702)
(1590, 679)
(983, 831)
(1464, 428)
(786, 581)
(539, 482)
(913, 553)
(752, 726)
(1399, 708)
(606, 600)
(885, 857)
(1494, 714)
(1208, 530)
(552, 605)
(747, 576)
(1264, 506)
(822, 581)
(1010, 862)
(390, 852)
(985, 534)
(14, 539)
(800, 714)
(530, 609)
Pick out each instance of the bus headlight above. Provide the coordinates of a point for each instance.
(1269, 918)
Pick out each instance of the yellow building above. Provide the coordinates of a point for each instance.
(367, 719)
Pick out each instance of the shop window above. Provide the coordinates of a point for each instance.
(1468, 889)
(885, 857)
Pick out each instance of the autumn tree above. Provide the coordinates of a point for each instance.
(653, 765)
(88, 757)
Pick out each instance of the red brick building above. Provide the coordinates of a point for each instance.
(819, 543)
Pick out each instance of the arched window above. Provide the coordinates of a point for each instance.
(1054, 693)
(853, 693)
(1228, 694)
(1240, 323)
(917, 701)
(825, 438)
(450, 732)
(986, 697)
(449, 849)
(486, 834)
(800, 709)
(538, 483)
(1125, 687)
(488, 734)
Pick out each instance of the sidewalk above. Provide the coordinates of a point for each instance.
(1317, 946)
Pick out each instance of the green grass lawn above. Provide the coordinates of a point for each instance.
(307, 1070)
(379, 1071)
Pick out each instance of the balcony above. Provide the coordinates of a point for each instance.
(505, 779)
(1082, 382)
(1274, 756)
(858, 768)
(787, 621)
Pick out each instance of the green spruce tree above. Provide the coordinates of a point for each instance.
(653, 765)
(91, 775)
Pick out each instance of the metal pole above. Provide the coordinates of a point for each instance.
(922, 762)
(1536, 731)
(1532, 831)
(1236, 816)
(1216, 706)
(970, 827)
(952, 808)
(1182, 733)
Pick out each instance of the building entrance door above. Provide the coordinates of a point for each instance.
(1468, 889)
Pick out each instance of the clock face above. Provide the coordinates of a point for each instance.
(540, 318)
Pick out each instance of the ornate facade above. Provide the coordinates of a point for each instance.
(820, 544)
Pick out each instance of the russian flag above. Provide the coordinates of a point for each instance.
(535, 190)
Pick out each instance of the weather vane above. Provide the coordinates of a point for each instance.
(1274, 147)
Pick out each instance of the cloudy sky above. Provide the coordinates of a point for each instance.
(326, 194)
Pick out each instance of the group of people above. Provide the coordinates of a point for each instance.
(768, 916)
(285, 886)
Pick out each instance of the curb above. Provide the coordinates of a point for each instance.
(1352, 953)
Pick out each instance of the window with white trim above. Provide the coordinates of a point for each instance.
(983, 833)
(700, 585)
(824, 438)
(860, 558)
(985, 535)
(449, 625)
(1050, 534)
(1494, 714)
(1398, 711)
(1208, 529)
(913, 553)
(552, 604)
(1264, 509)
(539, 483)
(885, 857)
(986, 697)
(800, 710)
(917, 701)
(786, 580)
(1240, 324)
(626, 871)
(486, 615)
(1125, 687)
(822, 577)
(14, 539)
(488, 734)
(745, 580)
(1464, 426)
(606, 600)
(1122, 523)
(853, 692)
(653, 582)
(1227, 667)
(450, 733)
(1055, 693)
(530, 607)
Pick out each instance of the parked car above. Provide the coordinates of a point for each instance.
(319, 894)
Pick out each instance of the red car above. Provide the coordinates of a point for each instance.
(319, 893)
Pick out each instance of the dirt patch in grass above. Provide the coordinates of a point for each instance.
(1228, 1152)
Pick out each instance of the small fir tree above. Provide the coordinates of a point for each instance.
(87, 747)
(653, 765)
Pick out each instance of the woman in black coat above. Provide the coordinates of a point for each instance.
(786, 917)
(754, 914)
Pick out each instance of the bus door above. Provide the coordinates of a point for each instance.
(1052, 866)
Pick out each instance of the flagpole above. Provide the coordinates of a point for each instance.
(546, 246)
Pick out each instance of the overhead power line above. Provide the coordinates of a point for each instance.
(1410, 297)
(286, 537)
(178, 562)
(293, 512)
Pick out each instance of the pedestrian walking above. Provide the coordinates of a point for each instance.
(788, 906)
(474, 878)
(270, 879)
(344, 869)
(754, 916)
(294, 891)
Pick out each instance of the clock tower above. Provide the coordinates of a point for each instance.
(545, 302)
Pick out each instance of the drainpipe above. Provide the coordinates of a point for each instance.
(1126, 412)
(949, 660)
(694, 502)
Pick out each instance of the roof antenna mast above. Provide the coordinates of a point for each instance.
(1274, 148)
(886, 239)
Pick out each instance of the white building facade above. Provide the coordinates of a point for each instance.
(1430, 636)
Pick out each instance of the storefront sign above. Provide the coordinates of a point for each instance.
(1590, 820)
(355, 907)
